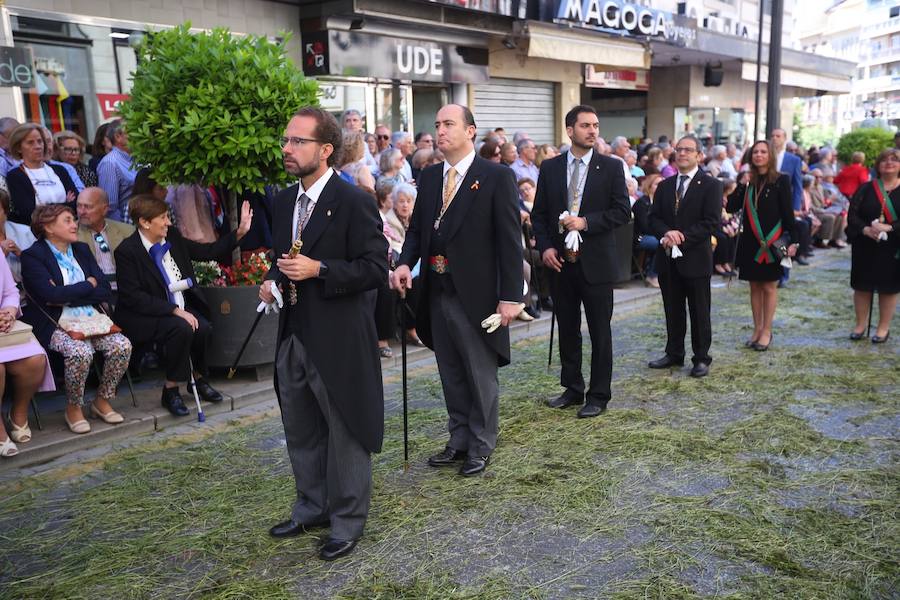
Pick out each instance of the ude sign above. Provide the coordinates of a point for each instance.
(358, 54)
(16, 67)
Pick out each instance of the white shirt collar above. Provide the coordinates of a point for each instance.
(315, 190)
(462, 165)
(146, 242)
(586, 159)
(690, 174)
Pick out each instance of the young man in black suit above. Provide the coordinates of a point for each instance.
(590, 188)
(686, 210)
(327, 369)
(465, 229)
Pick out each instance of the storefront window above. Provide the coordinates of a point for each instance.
(82, 70)
(392, 106)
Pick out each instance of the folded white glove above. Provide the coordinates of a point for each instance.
(676, 252)
(573, 240)
(787, 263)
(273, 306)
(882, 237)
(492, 323)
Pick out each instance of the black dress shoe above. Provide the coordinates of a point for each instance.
(206, 391)
(333, 549)
(474, 465)
(877, 339)
(700, 370)
(446, 457)
(665, 362)
(591, 410)
(857, 336)
(291, 528)
(172, 400)
(565, 400)
(547, 303)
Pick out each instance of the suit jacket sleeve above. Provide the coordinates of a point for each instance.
(796, 185)
(657, 223)
(365, 267)
(38, 280)
(220, 250)
(21, 196)
(619, 210)
(507, 236)
(855, 223)
(540, 212)
(131, 293)
(710, 215)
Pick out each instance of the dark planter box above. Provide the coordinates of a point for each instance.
(232, 312)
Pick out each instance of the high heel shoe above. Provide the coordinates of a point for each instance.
(8, 449)
(112, 417)
(750, 343)
(857, 336)
(20, 435)
(762, 348)
(80, 426)
(877, 339)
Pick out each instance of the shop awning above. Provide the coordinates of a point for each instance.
(558, 43)
(815, 82)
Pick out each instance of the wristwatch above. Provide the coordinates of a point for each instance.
(323, 270)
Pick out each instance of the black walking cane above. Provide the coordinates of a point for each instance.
(404, 309)
(294, 251)
(552, 323)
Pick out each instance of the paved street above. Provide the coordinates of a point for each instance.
(776, 476)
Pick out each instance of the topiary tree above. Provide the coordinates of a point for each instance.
(871, 141)
(210, 108)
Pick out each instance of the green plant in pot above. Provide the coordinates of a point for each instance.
(209, 108)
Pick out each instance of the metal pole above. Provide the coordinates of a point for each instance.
(758, 72)
(773, 89)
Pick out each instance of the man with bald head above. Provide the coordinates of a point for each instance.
(101, 235)
(465, 229)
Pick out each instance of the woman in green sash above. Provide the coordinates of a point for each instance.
(872, 229)
(767, 230)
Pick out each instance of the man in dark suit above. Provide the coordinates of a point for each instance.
(327, 369)
(590, 188)
(686, 210)
(790, 164)
(465, 229)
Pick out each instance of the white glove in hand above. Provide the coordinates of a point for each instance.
(573, 240)
(492, 323)
(676, 252)
(787, 263)
(274, 306)
(882, 237)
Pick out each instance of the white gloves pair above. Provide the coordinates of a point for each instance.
(492, 323)
(882, 236)
(573, 238)
(676, 252)
(274, 306)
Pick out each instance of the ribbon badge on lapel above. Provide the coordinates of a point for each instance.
(475, 186)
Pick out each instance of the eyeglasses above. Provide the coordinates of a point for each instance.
(383, 137)
(891, 158)
(685, 150)
(75, 150)
(101, 241)
(297, 141)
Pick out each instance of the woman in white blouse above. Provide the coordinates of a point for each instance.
(35, 182)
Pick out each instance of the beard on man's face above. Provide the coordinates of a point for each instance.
(297, 170)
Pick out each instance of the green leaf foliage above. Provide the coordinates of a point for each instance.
(871, 141)
(211, 107)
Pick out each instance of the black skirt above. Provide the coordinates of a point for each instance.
(874, 266)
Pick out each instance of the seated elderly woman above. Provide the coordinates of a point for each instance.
(66, 288)
(158, 301)
(22, 361)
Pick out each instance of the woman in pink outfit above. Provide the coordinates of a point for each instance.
(25, 364)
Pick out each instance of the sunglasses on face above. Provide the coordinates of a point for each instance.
(383, 137)
(104, 247)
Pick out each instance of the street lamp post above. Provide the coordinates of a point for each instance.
(773, 88)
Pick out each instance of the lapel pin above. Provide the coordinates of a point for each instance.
(475, 185)
(328, 213)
